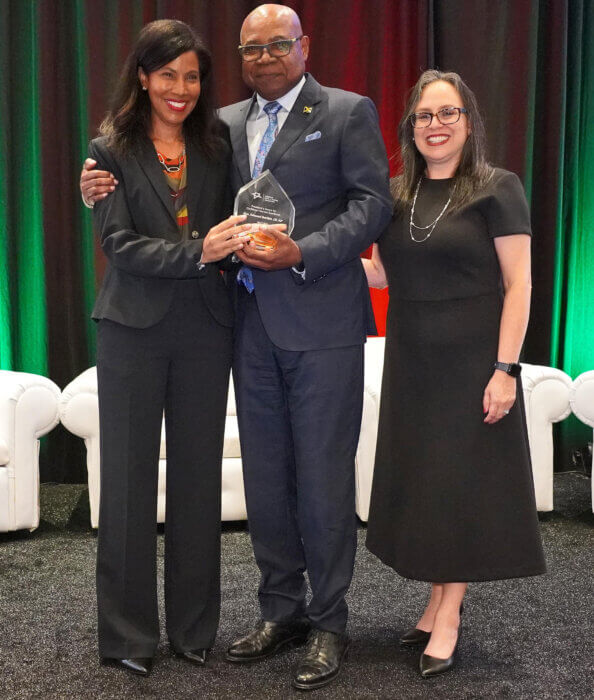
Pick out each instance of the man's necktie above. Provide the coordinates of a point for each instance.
(245, 276)
(271, 109)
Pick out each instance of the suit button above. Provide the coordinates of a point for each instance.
(195, 234)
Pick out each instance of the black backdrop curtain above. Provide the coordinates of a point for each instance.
(519, 57)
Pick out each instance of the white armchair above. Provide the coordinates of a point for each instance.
(28, 410)
(79, 413)
(546, 395)
(581, 399)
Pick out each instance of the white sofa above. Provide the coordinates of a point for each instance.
(28, 410)
(79, 413)
(546, 395)
(581, 399)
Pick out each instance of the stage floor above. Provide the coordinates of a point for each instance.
(525, 638)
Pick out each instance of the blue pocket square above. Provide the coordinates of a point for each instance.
(314, 136)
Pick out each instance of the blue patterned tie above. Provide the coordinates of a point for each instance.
(271, 109)
(245, 276)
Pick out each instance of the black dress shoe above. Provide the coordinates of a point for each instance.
(139, 667)
(195, 656)
(432, 666)
(322, 660)
(267, 639)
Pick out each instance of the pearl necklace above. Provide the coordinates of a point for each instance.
(431, 226)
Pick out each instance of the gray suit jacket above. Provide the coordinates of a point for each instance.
(140, 237)
(338, 181)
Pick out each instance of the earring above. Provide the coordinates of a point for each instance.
(144, 87)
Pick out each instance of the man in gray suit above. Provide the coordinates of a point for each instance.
(302, 316)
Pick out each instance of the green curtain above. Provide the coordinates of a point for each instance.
(573, 312)
(531, 65)
(572, 324)
(87, 248)
(23, 330)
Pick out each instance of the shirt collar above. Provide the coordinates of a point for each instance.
(286, 101)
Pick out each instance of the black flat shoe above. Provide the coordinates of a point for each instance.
(267, 639)
(415, 637)
(432, 666)
(139, 667)
(194, 656)
(322, 660)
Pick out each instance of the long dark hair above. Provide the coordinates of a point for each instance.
(129, 119)
(472, 173)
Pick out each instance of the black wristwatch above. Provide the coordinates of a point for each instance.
(512, 368)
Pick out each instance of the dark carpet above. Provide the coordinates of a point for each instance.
(526, 638)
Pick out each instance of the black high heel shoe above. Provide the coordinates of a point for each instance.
(415, 637)
(194, 656)
(432, 666)
(137, 666)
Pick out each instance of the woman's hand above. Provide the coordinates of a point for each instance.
(499, 396)
(225, 238)
(374, 269)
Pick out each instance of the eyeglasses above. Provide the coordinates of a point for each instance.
(447, 115)
(277, 49)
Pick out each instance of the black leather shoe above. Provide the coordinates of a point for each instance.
(432, 666)
(414, 636)
(322, 660)
(194, 656)
(139, 667)
(267, 639)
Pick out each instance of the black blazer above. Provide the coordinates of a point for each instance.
(140, 237)
(331, 160)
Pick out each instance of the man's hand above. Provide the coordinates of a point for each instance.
(95, 184)
(286, 254)
(225, 238)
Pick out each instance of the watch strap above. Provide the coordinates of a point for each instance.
(512, 368)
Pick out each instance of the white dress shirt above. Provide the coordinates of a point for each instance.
(257, 121)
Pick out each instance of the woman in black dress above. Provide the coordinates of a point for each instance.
(453, 497)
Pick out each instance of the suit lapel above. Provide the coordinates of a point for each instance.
(196, 173)
(239, 140)
(299, 119)
(148, 161)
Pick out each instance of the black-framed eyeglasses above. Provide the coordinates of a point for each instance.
(278, 48)
(446, 115)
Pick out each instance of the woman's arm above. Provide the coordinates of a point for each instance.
(154, 256)
(513, 253)
(374, 269)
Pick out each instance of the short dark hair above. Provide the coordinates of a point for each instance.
(129, 117)
(472, 173)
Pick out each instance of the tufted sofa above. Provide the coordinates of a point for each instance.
(79, 413)
(546, 394)
(28, 410)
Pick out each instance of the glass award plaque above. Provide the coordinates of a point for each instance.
(265, 203)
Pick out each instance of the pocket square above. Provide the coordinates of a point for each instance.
(314, 136)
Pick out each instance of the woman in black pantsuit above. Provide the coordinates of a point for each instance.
(453, 497)
(164, 343)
